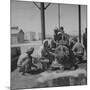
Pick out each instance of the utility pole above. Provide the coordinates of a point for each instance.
(59, 16)
(79, 20)
(42, 21)
(42, 9)
(86, 16)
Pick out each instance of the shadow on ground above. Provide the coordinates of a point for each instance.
(38, 71)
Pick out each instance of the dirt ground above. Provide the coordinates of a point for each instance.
(19, 81)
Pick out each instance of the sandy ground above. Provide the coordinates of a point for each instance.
(20, 81)
(29, 80)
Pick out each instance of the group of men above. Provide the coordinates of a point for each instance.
(62, 52)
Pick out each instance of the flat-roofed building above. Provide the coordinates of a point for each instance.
(17, 35)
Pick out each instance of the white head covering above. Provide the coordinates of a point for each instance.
(41, 48)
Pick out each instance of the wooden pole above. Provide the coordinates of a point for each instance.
(59, 16)
(79, 20)
(86, 16)
(42, 21)
(42, 10)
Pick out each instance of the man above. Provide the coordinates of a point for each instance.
(78, 51)
(25, 61)
(55, 34)
(63, 38)
(52, 46)
(43, 54)
(63, 56)
(60, 33)
(72, 42)
(46, 57)
(61, 29)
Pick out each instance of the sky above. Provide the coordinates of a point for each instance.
(27, 16)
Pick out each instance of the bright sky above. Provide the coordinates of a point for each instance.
(27, 16)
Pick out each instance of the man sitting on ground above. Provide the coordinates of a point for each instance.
(25, 61)
(78, 51)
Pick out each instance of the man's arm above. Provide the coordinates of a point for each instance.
(21, 59)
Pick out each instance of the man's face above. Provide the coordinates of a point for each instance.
(46, 44)
(61, 30)
(56, 31)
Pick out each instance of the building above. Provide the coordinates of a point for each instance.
(39, 36)
(30, 36)
(27, 36)
(17, 35)
(48, 36)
